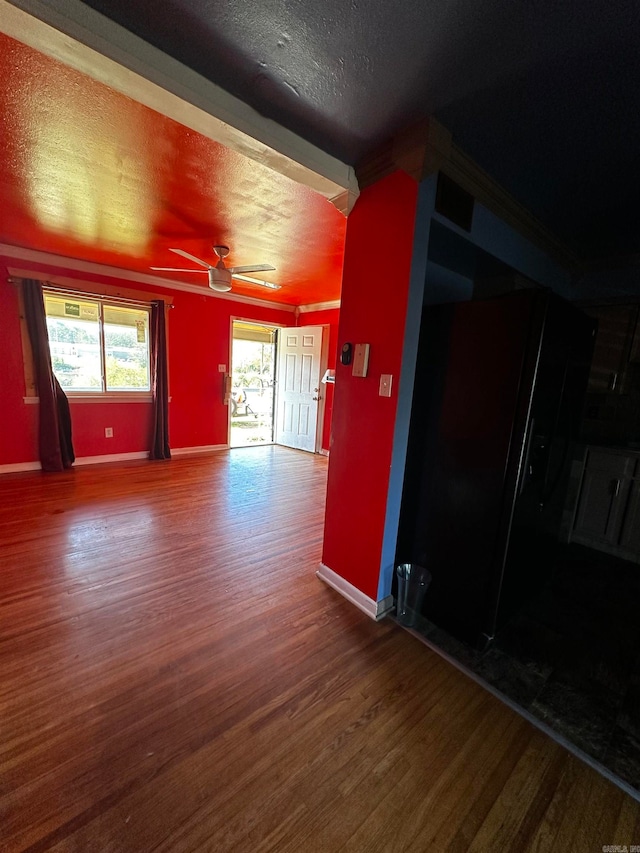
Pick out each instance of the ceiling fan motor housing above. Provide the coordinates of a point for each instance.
(219, 279)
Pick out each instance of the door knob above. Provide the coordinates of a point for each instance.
(317, 398)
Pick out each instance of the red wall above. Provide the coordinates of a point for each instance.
(18, 422)
(198, 341)
(373, 310)
(199, 335)
(328, 318)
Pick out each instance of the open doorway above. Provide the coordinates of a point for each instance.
(253, 360)
(277, 396)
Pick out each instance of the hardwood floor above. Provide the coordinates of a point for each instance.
(173, 677)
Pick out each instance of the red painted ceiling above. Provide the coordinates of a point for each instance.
(90, 174)
(543, 96)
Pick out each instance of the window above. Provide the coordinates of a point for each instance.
(98, 346)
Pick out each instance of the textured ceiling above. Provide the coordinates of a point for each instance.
(90, 174)
(544, 96)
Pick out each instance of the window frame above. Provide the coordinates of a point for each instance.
(102, 301)
(80, 287)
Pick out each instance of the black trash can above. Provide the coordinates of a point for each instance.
(413, 581)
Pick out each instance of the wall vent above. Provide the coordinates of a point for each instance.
(454, 203)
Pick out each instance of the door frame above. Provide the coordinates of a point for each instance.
(324, 362)
(269, 325)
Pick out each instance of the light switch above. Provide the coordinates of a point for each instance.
(385, 385)
(360, 359)
(222, 368)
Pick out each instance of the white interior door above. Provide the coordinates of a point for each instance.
(298, 386)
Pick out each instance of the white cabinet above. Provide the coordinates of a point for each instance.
(608, 510)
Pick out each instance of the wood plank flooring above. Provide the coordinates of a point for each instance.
(173, 677)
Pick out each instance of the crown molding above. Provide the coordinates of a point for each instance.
(113, 291)
(318, 306)
(90, 268)
(75, 34)
(472, 178)
(427, 147)
(419, 150)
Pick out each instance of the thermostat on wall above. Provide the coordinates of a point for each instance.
(360, 359)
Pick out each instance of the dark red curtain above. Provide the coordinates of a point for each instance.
(56, 446)
(160, 384)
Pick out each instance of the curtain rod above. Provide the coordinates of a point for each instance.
(57, 288)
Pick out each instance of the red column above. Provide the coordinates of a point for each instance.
(377, 263)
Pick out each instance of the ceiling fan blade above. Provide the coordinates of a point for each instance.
(175, 269)
(191, 257)
(252, 268)
(259, 281)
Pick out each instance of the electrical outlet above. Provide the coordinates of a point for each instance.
(108, 432)
(222, 368)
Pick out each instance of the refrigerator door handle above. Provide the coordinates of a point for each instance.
(527, 468)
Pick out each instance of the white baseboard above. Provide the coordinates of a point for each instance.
(111, 457)
(196, 451)
(323, 452)
(17, 467)
(374, 609)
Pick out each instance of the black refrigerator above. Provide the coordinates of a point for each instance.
(497, 405)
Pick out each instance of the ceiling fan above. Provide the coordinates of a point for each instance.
(220, 275)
